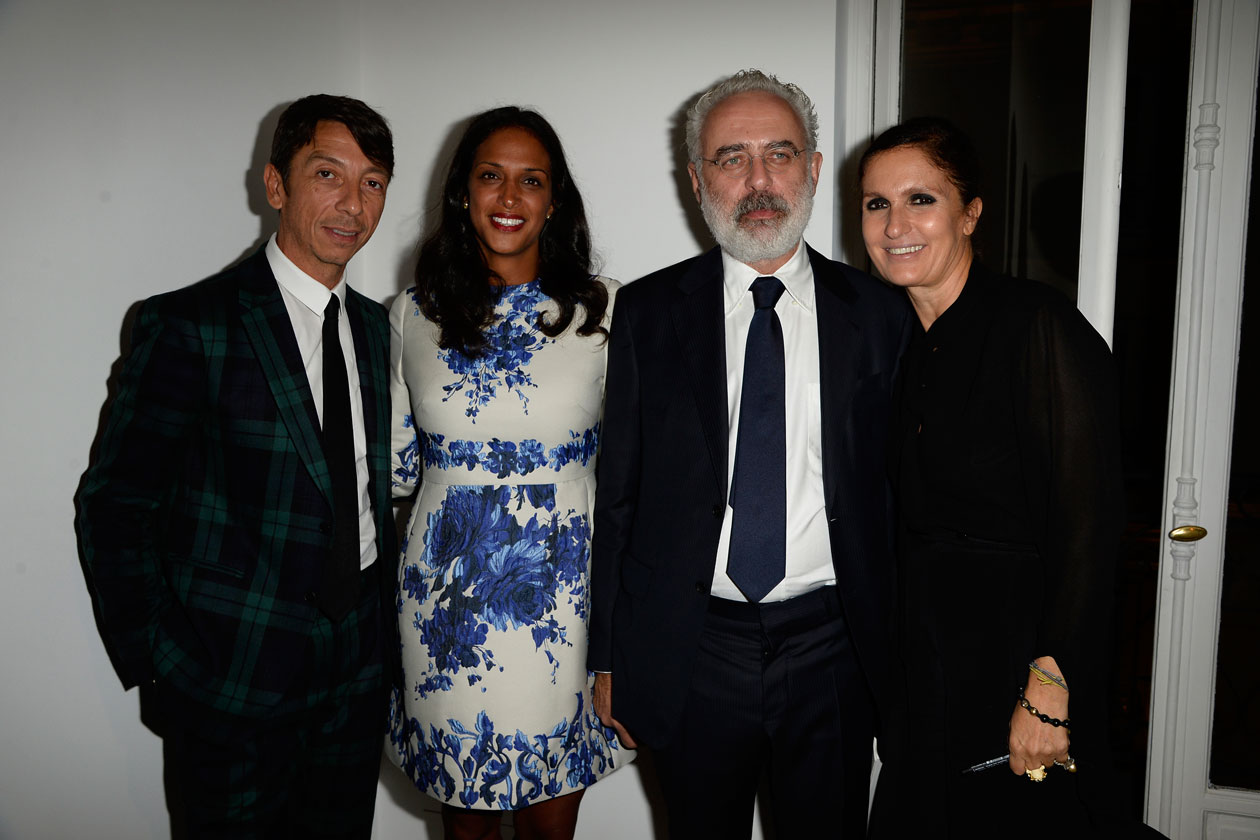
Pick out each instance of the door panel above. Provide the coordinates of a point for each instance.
(1180, 799)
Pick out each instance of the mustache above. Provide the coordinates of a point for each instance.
(761, 201)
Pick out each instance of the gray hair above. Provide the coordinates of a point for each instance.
(746, 81)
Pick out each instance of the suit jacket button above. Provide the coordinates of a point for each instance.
(702, 587)
(719, 509)
(309, 597)
(326, 527)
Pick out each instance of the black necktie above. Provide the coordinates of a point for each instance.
(759, 484)
(339, 588)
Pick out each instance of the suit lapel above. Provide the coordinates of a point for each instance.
(270, 333)
(699, 324)
(841, 358)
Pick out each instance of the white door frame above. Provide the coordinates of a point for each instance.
(1180, 802)
(868, 99)
(1104, 153)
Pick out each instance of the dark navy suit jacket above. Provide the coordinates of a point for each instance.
(663, 476)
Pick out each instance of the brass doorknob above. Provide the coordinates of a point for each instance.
(1187, 533)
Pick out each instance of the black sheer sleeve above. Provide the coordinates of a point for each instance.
(1069, 448)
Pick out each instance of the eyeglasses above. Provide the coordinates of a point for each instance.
(736, 164)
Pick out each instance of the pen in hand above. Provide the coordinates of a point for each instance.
(985, 765)
(1068, 765)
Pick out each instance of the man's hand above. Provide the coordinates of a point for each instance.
(602, 698)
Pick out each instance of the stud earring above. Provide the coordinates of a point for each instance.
(465, 204)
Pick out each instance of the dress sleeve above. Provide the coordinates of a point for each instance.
(1070, 454)
(404, 443)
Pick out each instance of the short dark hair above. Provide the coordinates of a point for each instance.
(454, 284)
(298, 123)
(949, 149)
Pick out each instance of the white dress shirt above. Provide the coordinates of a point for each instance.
(305, 299)
(808, 556)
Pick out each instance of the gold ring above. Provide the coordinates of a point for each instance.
(1037, 774)
(1069, 765)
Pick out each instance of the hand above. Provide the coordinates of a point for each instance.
(601, 697)
(1035, 744)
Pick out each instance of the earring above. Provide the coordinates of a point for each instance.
(465, 204)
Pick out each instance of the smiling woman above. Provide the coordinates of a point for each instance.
(917, 219)
(1006, 467)
(509, 201)
(498, 372)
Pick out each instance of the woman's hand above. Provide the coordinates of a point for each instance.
(1035, 744)
(601, 699)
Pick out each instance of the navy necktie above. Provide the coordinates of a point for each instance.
(759, 484)
(339, 586)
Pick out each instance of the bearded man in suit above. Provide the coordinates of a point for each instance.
(235, 520)
(742, 569)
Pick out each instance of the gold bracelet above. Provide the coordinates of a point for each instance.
(1045, 677)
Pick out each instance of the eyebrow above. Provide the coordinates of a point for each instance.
(501, 166)
(740, 147)
(910, 190)
(318, 156)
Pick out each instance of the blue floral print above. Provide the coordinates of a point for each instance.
(512, 341)
(488, 571)
(407, 468)
(506, 458)
(492, 594)
(504, 771)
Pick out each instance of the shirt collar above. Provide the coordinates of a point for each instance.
(796, 275)
(306, 289)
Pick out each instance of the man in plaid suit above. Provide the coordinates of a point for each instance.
(206, 519)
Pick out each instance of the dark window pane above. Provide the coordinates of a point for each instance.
(1013, 77)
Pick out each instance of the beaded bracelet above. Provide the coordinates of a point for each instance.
(1045, 677)
(1044, 718)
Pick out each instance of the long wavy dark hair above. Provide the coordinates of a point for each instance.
(454, 285)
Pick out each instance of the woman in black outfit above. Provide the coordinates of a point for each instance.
(1005, 460)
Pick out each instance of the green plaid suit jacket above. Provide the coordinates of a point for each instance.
(206, 512)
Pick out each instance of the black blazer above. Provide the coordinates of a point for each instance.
(663, 482)
(206, 512)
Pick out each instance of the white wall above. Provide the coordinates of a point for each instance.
(132, 135)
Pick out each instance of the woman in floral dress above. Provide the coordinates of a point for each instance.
(498, 372)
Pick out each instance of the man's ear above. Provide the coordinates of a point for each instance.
(695, 181)
(275, 186)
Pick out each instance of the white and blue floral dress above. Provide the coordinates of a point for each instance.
(495, 711)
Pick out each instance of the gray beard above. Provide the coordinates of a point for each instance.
(759, 241)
